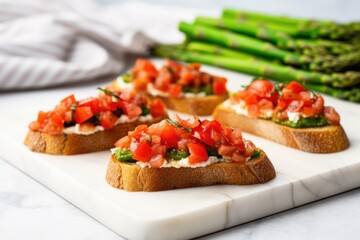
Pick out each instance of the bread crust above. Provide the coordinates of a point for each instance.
(70, 144)
(325, 139)
(201, 106)
(131, 177)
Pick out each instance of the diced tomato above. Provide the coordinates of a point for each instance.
(332, 116)
(308, 111)
(238, 157)
(236, 138)
(52, 129)
(283, 103)
(82, 114)
(262, 87)
(226, 150)
(138, 131)
(56, 118)
(142, 152)
(175, 90)
(68, 117)
(175, 66)
(107, 119)
(295, 106)
(34, 126)
(190, 122)
(157, 161)
(318, 105)
(197, 152)
(142, 79)
(163, 80)
(157, 108)
(92, 102)
(42, 116)
(132, 110)
(251, 98)
(188, 76)
(127, 94)
(168, 135)
(69, 100)
(107, 103)
(194, 66)
(249, 148)
(123, 142)
(265, 104)
(210, 132)
(157, 149)
(144, 65)
(295, 87)
(219, 86)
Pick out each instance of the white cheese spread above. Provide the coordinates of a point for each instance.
(293, 116)
(156, 92)
(185, 163)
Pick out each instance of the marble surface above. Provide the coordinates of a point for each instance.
(301, 178)
(30, 210)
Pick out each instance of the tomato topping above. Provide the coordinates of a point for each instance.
(82, 114)
(69, 100)
(295, 87)
(190, 122)
(263, 88)
(175, 90)
(331, 115)
(295, 106)
(157, 108)
(123, 142)
(107, 120)
(132, 110)
(168, 135)
(219, 86)
(92, 102)
(144, 65)
(142, 152)
(42, 116)
(198, 153)
(138, 131)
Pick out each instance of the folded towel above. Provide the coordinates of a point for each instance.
(48, 43)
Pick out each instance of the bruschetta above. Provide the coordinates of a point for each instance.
(287, 114)
(177, 153)
(91, 124)
(184, 88)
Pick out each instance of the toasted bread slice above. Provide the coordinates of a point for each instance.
(131, 177)
(201, 106)
(327, 139)
(70, 144)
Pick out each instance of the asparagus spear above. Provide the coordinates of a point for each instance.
(241, 42)
(280, 38)
(258, 67)
(301, 27)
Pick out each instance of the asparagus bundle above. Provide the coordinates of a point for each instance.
(248, 64)
(279, 38)
(266, 49)
(299, 27)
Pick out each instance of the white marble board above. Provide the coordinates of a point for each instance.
(185, 213)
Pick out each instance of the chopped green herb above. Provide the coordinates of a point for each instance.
(145, 110)
(126, 78)
(176, 124)
(123, 155)
(207, 89)
(212, 151)
(73, 109)
(189, 89)
(118, 112)
(304, 122)
(256, 153)
(114, 97)
(278, 88)
(176, 154)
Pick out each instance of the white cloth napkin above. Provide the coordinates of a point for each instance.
(51, 42)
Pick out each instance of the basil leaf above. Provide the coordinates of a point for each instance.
(176, 154)
(212, 151)
(145, 110)
(124, 155)
(73, 109)
(176, 124)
